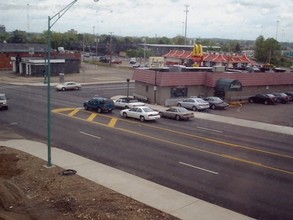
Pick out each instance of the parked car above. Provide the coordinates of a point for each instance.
(216, 102)
(290, 94)
(99, 104)
(116, 61)
(132, 60)
(263, 99)
(281, 97)
(3, 102)
(68, 86)
(104, 59)
(141, 112)
(178, 113)
(127, 102)
(195, 104)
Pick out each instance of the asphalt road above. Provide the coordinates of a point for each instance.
(242, 169)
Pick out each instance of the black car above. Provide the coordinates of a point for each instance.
(281, 97)
(263, 98)
(104, 59)
(99, 104)
(290, 94)
(216, 102)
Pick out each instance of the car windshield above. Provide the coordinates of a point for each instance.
(147, 109)
(182, 110)
(200, 100)
(132, 100)
(217, 99)
(2, 97)
(108, 101)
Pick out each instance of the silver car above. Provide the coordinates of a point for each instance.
(127, 103)
(178, 113)
(195, 104)
(68, 86)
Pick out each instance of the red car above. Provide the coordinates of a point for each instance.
(116, 61)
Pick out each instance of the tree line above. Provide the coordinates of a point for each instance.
(265, 50)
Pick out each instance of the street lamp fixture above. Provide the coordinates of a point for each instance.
(51, 21)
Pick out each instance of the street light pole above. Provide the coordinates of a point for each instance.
(54, 19)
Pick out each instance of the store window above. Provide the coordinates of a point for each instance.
(178, 92)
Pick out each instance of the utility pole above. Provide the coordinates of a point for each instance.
(277, 30)
(110, 62)
(186, 12)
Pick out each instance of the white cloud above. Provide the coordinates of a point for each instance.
(234, 19)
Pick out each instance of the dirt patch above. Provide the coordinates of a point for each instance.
(29, 190)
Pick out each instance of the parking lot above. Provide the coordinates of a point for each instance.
(280, 114)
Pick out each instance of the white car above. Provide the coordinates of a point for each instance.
(195, 104)
(68, 86)
(127, 103)
(142, 113)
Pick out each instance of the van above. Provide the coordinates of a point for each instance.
(3, 102)
(99, 104)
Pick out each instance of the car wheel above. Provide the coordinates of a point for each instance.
(124, 115)
(86, 107)
(126, 107)
(177, 117)
(141, 118)
(77, 88)
(265, 102)
(194, 108)
(63, 89)
(213, 107)
(161, 114)
(99, 110)
(250, 100)
(179, 105)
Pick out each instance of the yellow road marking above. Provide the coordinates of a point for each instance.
(217, 141)
(73, 112)
(112, 123)
(242, 160)
(189, 147)
(62, 110)
(92, 117)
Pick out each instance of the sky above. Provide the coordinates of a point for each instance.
(229, 19)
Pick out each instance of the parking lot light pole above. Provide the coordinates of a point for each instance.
(54, 19)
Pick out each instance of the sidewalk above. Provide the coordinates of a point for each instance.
(162, 198)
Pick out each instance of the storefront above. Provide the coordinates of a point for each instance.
(224, 86)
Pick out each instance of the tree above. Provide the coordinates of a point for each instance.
(4, 37)
(179, 40)
(267, 51)
(18, 37)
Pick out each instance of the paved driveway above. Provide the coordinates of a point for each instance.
(280, 114)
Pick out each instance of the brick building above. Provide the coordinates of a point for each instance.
(30, 59)
(165, 88)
